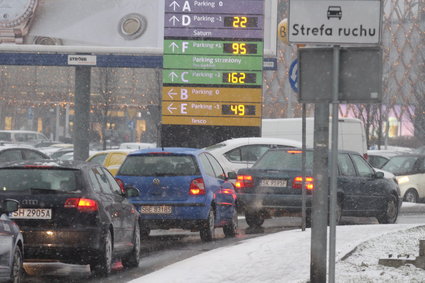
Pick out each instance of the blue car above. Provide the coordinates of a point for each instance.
(180, 188)
(11, 243)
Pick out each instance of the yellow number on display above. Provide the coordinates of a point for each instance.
(239, 48)
(236, 78)
(238, 109)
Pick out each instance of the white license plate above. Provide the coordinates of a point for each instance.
(32, 213)
(273, 183)
(156, 209)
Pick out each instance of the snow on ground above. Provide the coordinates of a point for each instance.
(285, 257)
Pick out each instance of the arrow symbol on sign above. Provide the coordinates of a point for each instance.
(174, 19)
(174, 4)
(294, 75)
(170, 109)
(173, 46)
(172, 76)
(171, 93)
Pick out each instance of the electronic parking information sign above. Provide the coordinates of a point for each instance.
(212, 71)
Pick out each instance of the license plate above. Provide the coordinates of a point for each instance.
(156, 209)
(273, 183)
(32, 213)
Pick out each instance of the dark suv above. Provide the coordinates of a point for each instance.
(74, 212)
(273, 187)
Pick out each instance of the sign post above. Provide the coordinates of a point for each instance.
(335, 23)
(212, 77)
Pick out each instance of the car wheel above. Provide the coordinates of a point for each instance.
(229, 230)
(391, 212)
(411, 196)
(254, 219)
(207, 229)
(103, 264)
(133, 259)
(17, 273)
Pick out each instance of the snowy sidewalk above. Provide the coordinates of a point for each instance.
(281, 257)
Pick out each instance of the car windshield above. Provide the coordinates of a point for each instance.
(400, 165)
(159, 165)
(38, 179)
(283, 160)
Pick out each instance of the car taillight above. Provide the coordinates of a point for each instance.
(82, 204)
(298, 182)
(197, 187)
(244, 181)
(121, 184)
(227, 192)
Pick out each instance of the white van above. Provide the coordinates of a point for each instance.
(351, 133)
(22, 137)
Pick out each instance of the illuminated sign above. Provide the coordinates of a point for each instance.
(213, 63)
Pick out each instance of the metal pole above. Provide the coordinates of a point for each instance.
(320, 202)
(334, 163)
(303, 173)
(82, 112)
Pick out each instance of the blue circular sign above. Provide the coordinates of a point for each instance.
(293, 75)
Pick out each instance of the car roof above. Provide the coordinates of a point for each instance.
(259, 140)
(48, 163)
(178, 150)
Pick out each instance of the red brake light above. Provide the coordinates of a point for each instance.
(227, 192)
(244, 181)
(82, 204)
(295, 151)
(297, 183)
(197, 187)
(121, 184)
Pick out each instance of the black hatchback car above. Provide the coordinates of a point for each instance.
(11, 243)
(273, 187)
(73, 212)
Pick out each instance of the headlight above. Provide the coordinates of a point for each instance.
(402, 180)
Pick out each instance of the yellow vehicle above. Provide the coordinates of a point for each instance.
(111, 159)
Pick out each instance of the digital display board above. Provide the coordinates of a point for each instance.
(213, 63)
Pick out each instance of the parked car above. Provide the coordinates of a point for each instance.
(22, 137)
(180, 188)
(111, 159)
(273, 187)
(409, 170)
(11, 243)
(136, 145)
(73, 212)
(378, 158)
(234, 154)
(17, 153)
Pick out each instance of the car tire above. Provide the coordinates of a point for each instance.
(230, 229)
(208, 229)
(17, 272)
(254, 219)
(391, 212)
(133, 259)
(103, 264)
(411, 196)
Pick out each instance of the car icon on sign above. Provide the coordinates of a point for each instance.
(334, 12)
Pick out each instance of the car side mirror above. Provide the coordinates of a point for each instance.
(131, 191)
(379, 175)
(8, 206)
(232, 175)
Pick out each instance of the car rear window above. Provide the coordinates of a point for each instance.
(159, 165)
(43, 179)
(283, 160)
(399, 165)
